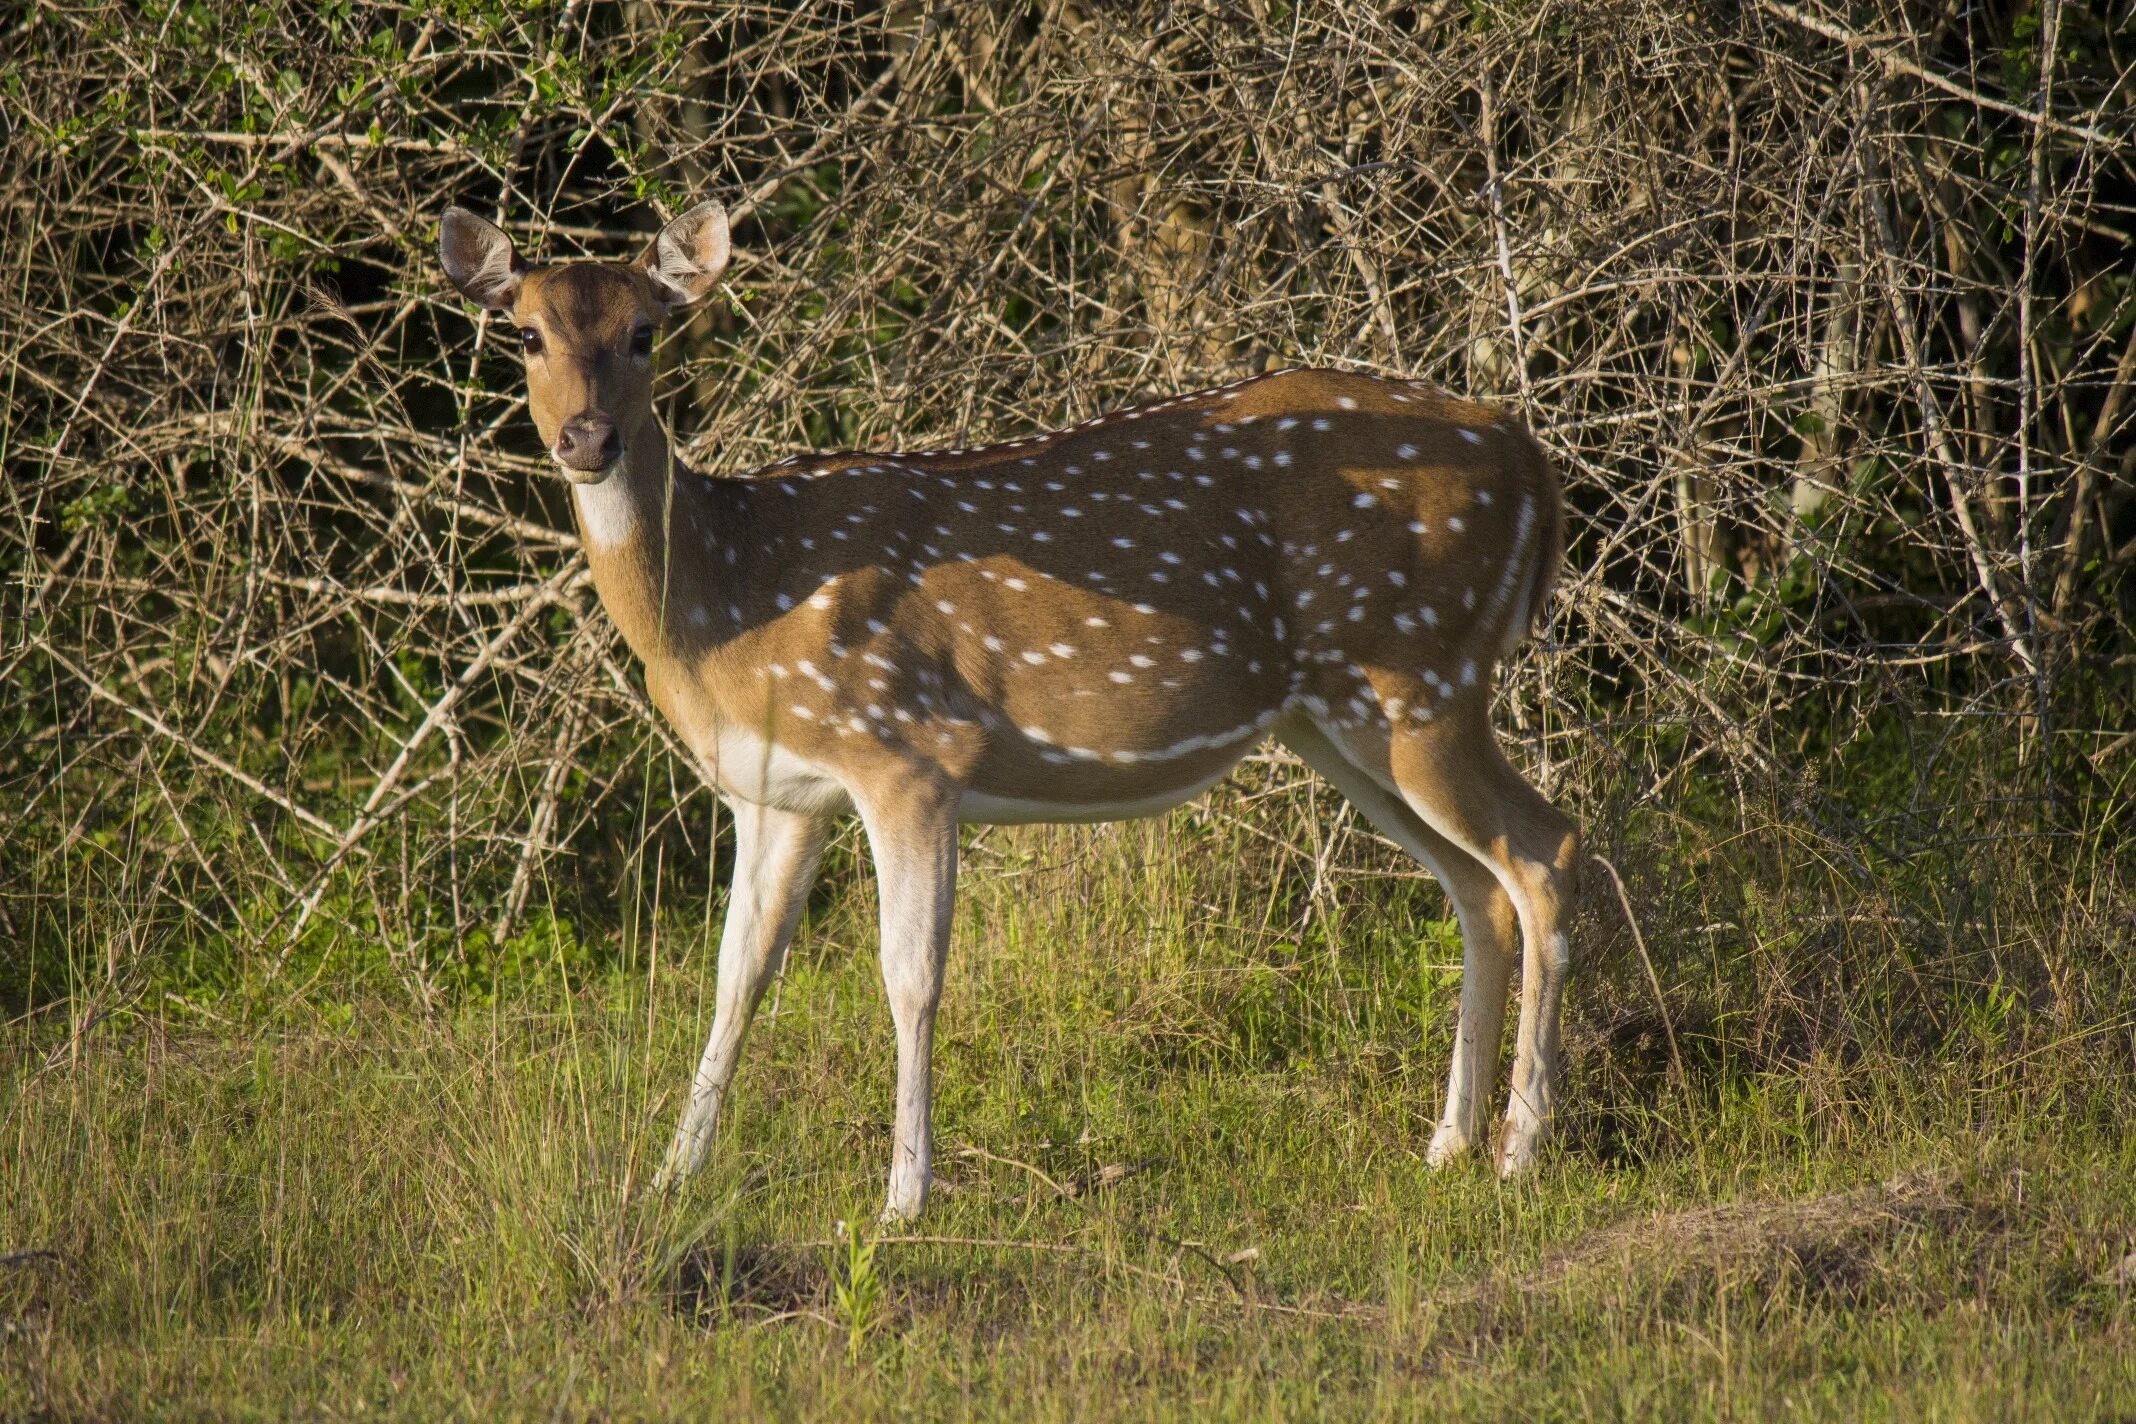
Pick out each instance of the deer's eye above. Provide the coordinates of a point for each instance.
(641, 341)
(529, 340)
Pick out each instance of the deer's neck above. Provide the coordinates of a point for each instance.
(629, 523)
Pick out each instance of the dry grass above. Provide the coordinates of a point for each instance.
(1183, 1153)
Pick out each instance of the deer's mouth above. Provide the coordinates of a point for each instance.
(588, 474)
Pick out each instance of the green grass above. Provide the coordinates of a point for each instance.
(1182, 1106)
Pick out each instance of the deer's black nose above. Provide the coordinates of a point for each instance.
(588, 442)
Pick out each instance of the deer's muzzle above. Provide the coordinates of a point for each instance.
(588, 446)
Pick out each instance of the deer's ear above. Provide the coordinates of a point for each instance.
(479, 259)
(686, 259)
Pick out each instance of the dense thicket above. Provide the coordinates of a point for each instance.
(1827, 314)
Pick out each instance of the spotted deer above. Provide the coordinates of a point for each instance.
(1088, 624)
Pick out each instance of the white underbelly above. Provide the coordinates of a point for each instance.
(741, 764)
(985, 809)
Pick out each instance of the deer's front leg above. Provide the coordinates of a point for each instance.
(775, 856)
(913, 833)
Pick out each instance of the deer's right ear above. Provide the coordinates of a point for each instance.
(479, 259)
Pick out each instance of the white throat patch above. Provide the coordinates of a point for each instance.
(605, 511)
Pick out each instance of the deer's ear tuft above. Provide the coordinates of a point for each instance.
(479, 259)
(686, 259)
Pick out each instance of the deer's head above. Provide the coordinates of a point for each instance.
(586, 328)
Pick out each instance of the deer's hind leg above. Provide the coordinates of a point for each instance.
(1450, 772)
(1489, 925)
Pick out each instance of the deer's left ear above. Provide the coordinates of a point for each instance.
(686, 259)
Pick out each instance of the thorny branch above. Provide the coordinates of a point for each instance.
(1842, 403)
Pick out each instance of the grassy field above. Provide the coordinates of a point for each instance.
(1185, 1085)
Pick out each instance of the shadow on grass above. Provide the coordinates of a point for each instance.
(764, 1283)
(746, 1279)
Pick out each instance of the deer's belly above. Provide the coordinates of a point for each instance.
(1083, 803)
